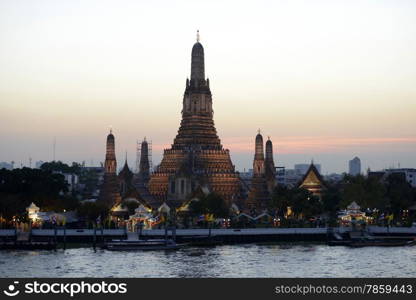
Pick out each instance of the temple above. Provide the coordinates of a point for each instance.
(141, 179)
(259, 195)
(125, 179)
(144, 165)
(109, 190)
(196, 157)
(270, 169)
(313, 181)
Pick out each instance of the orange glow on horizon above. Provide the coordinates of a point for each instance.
(306, 144)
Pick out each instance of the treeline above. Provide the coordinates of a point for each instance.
(390, 195)
(58, 166)
(20, 187)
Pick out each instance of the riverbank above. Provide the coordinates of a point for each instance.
(226, 236)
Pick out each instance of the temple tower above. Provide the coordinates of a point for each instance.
(125, 178)
(258, 163)
(259, 196)
(270, 169)
(110, 164)
(109, 191)
(144, 167)
(196, 157)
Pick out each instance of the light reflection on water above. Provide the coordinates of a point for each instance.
(283, 260)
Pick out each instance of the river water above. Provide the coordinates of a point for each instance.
(282, 260)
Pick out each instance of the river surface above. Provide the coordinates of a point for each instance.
(282, 260)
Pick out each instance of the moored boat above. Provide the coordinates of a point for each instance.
(142, 245)
(366, 239)
(380, 243)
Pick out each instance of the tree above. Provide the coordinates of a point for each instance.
(90, 211)
(302, 202)
(331, 200)
(398, 192)
(59, 166)
(368, 192)
(281, 199)
(210, 204)
(20, 187)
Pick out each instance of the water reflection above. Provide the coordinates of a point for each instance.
(280, 260)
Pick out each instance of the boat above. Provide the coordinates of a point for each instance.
(142, 245)
(366, 239)
(380, 243)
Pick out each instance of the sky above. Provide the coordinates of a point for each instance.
(326, 80)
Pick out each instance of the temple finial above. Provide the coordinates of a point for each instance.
(197, 36)
(259, 131)
(268, 137)
(126, 156)
(111, 129)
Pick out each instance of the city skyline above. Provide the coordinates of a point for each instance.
(73, 82)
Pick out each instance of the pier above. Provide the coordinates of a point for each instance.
(49, 238)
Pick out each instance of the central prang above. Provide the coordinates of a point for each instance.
(196, 159)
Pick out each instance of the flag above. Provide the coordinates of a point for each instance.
(210, 217)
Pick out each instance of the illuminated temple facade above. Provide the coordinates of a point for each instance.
(196, 157)
(313, 181)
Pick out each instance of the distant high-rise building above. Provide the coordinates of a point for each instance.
(354, 166)
(39, 163)
(6, 165)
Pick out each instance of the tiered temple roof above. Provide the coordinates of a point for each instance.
(196, 145)
(313, 181)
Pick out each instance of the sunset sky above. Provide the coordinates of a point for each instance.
(327, 80)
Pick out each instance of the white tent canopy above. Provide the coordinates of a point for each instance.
(353, 206)
(32, 208)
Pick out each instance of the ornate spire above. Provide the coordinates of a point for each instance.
(144, 165)
(269, 150)
(197, 36)
(197, 64)
(110, 156)
(259, 155)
